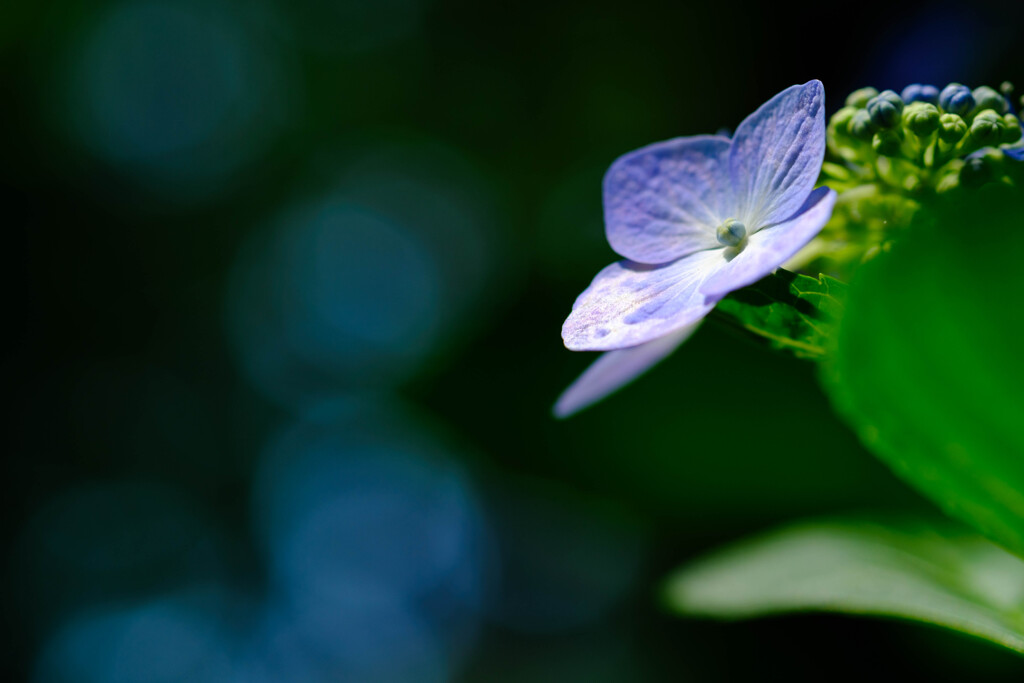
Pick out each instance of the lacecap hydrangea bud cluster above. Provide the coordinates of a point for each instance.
(923, 138)
(890, 152)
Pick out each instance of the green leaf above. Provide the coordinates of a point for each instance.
(790, 312)
(928, 365)
(913, 571)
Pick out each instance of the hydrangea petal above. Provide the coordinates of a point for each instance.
(1016, 152)
(663, 201)
(768, 249)
(630, 303)
(776, 155)
(615, 369)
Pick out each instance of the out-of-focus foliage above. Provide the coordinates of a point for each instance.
(928, 367)
(899, 569)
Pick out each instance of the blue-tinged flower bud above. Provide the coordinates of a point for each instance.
(886, 143)
(916, 92)
(731, 232)
(987, 128)
(859, 98)
(987, 98)
(952, 128)
(956, 99)
(921, 118)
(1012, 133)
(885, 109)
(860, 125)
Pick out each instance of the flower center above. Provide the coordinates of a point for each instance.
(731, 232)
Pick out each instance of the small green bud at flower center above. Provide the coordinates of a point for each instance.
(731, 232)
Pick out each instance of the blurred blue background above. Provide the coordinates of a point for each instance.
(286, 282)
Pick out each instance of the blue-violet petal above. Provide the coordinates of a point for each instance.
(776, 155)
(615, 369)
(663, 201)
(630, 303)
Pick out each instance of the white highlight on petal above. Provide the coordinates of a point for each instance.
(615, 369)
(629, 303)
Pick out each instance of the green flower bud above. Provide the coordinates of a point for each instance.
(921, 118)
(885, 109)
(841, 119)
(886, 143)
(859, 98)
(860, 125)
(1012, 133)
(1007, 89)
(987, 128)
(952, 128)
(883, 114)
(987, 98)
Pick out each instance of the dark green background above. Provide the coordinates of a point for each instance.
(482, 131)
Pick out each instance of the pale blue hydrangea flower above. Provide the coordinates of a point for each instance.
(696, 218)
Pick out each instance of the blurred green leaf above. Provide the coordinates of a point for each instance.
(928, 368)
(914, 571)
(790, 312)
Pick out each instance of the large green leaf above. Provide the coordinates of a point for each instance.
(912, 571)
(790, 312)
(929, 369)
